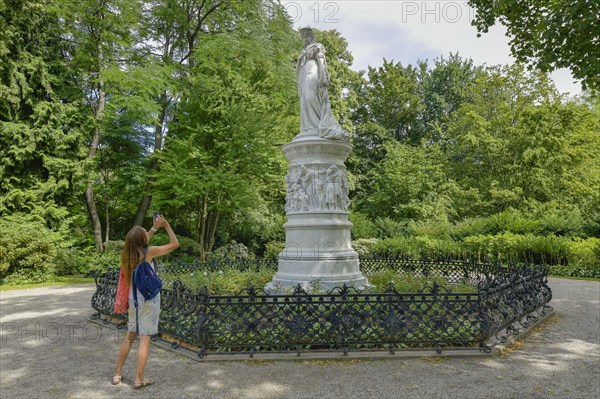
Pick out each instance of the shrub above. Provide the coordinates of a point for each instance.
(231, 281)
(109, 259)
(115, 246)
(388, 228)
(226, 281)
(407, 284)
(362, 227)
(591, 224)
(575, 271)
(564, 224)
(584, 253)
(511, 221)
(468, 227)
(577, 254)
(364, 247)
(29, 251)
(231, 251)
(83, 261)
(439, 229)
(70, 261)
(273, 249)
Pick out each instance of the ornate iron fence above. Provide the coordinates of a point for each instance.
(501, 301)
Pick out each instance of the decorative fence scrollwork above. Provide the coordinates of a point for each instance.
(502, 301)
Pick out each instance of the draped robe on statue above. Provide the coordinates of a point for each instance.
(316, 118)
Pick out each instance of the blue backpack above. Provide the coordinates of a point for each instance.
(146, 281)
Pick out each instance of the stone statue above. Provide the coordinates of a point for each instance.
(317, 231)
(316, 118)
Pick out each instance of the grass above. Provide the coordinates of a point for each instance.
(58, 281)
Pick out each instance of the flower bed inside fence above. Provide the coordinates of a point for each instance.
(460, 304)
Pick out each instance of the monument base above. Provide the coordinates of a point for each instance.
(318, 252)
(317, 274)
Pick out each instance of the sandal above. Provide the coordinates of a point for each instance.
(142, 384)
(117, 379)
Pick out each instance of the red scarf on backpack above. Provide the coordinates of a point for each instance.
(122, 299)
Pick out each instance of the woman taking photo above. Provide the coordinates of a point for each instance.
(135, 251)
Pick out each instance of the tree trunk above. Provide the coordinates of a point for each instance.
(144, 204)
(94, 218)
(202, 218)
(107, 226)
(212, 230)
(207, 228)
(89, 192)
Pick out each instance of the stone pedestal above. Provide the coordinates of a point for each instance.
(318, 249)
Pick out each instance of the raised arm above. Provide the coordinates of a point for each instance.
(152, 230)
(161, 250)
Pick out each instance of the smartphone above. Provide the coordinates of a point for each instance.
(156, 215)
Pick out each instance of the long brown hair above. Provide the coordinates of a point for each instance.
(133, 251)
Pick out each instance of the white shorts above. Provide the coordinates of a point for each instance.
(148, 314)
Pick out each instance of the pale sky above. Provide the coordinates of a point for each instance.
(406, 31)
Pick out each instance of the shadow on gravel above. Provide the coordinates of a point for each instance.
(49, 349)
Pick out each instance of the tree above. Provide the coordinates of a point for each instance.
(222, 156)
(443, 88)
(519, 145)
(386, 111)
(171, 35)
(102, 34)
(40, 136)
(405, 185)
(390, 99)
(120, 169)
(549, 34)
(369, 149)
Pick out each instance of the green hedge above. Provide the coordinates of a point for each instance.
(416, 247)
(530, 248)
(567, 256)
(512, 221)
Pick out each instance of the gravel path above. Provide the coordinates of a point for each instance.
(49, 349)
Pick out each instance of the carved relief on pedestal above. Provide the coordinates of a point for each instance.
(317, 187)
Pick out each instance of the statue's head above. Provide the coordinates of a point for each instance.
(307, 35)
